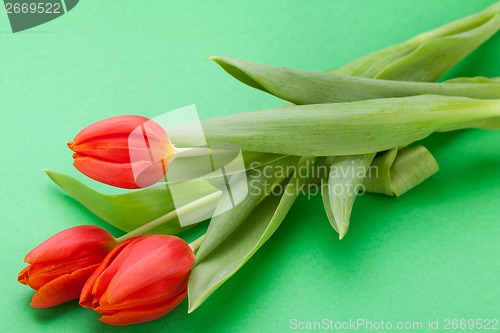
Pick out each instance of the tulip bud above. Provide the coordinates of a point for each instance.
(124, 151)
(142, 279)
(60, 266)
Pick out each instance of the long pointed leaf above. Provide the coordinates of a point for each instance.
(133, 209)
(213, 269)
(429, 55)
(259, 184)
(340, 188)
(305, 87)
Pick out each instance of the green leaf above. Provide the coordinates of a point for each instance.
(429, 55)
(397, 171)
(259, 183)
(305, 87)
(340, 188)
(246, 237)
(133, 209)
(204, 161)
(346, 128)
(255, 159)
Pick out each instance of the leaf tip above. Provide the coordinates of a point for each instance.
(193, 306)
(342, 233)
(49, 173)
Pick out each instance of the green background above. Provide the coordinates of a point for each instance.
(430, 254)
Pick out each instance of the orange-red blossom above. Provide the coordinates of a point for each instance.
(125, 151)
(142, 279)
(60, 266)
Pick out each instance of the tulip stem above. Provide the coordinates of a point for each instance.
(196, 244)
(202, 151)
(192, 152)
(206, 201)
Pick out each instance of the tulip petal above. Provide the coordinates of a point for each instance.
(87, 294)
(23, 276)
(37, 275)
(156, 135)
(107, 148)
(137, 316)
(115, 126)
(139, 145)
(155, 294)
(145, 175)
(121, 174)
(154, 258)
(62, 289)
(126, 151)
(149, 142)
(103, 280)
(76, 241)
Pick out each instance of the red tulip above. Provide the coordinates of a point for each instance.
(60, 266)
(124, 151)
(142, 279)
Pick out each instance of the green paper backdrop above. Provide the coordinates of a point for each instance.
(432, 254)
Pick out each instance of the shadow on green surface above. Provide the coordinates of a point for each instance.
(53, 313)
(438, 142)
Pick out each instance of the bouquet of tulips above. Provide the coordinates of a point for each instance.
(356, 117)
